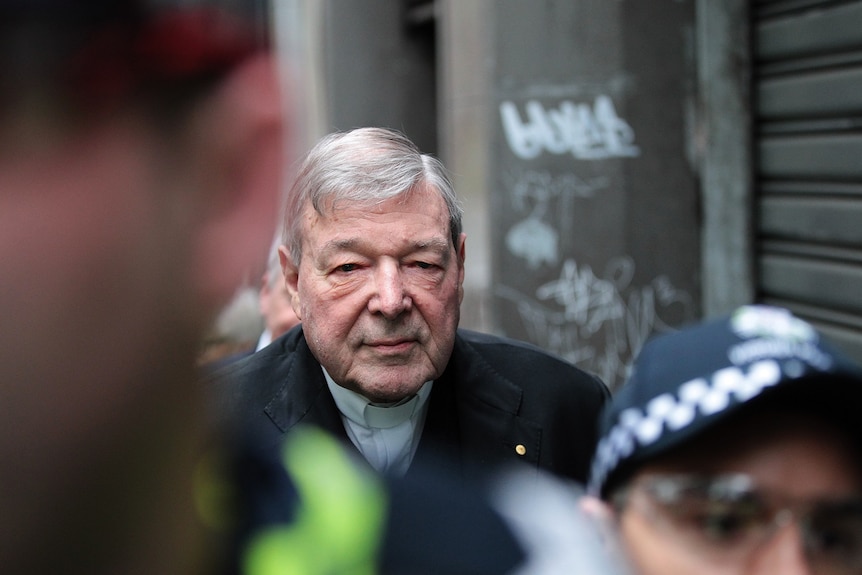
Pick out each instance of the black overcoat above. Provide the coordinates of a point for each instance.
(498, 402)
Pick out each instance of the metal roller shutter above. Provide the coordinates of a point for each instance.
(808, 142)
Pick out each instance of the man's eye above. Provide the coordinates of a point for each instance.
(834, 541)
(726, 523)
(346, 268)
(424, 265)
(723, 526)
(835, 532)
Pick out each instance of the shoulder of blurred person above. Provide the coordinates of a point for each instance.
(311, 506)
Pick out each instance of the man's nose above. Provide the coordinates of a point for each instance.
(783, 553)
(390, 297)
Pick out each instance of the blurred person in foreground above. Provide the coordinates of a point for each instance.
(254, 317)
(140, 157)
(319, 511)
(735, 448)
(274, 302)
(236, 329)
(373, 260)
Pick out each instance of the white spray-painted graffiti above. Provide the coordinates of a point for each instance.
(535, 241)
(587, 132)
(543, 186)
(598, 323)
(533, 238)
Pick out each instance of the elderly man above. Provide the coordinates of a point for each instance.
(735, 449)
(374, 262)
(139, 167)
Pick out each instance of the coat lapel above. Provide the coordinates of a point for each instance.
(473, 416)
(302, 395)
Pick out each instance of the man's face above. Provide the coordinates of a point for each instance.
(378, 292)
(792, 461)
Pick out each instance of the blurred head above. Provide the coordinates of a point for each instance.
(374, 261)
(772, 491)
(140, 151)
(274, 299)
(733, 449)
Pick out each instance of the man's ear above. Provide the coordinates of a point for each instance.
(605, 521)
(461, 253)
(596, 508)
(291, 279)
(239, 137)
(606, 527)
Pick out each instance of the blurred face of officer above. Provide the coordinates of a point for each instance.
(768, 496)
(378, 291)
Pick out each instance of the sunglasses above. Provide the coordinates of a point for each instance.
(726, 518)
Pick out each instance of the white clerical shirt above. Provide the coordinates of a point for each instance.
(386, 434)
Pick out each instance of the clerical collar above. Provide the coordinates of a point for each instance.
(358, 409)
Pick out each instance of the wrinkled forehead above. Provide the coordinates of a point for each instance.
(416, 219)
